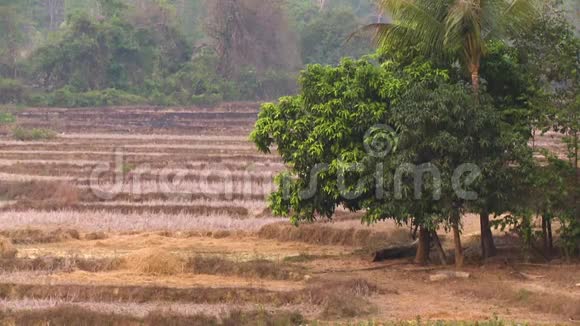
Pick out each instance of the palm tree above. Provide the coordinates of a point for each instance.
(454, 30)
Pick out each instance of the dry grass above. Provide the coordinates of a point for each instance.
(98, 155)
(61, 193)
(262, 269)
(68, 165)
(143, 195)
(327, 235)
(8, 177)
(225, 188)
(90, 221)
(154, 137)
(7, 250)
(100, 235)
(60, 264)
(131, 209)
(64, 315)
(339, 299)
(130, 196)
(220, 145)
(35, 236)
(546, 301)
(155, 262)
(74, 315)
(144, 294)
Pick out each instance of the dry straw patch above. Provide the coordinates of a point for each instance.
(153, 261)
(7, 250)
(58, 193)
(32, 236)
(321, 234)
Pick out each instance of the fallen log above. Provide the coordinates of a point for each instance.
(396, 252)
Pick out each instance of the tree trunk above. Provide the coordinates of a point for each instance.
(458, 248)
(474, 69)
(424, 247)
(488, 248)
(439, 248)
(549, 233)
(545, 234)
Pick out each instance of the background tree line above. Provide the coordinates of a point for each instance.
(169, 52)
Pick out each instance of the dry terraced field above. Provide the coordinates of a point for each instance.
(157, 216)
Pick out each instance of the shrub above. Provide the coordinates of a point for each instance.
(6, 118)
(206, 99)
(11, 91)
(67, 97)
(263, 269)
(24, 134)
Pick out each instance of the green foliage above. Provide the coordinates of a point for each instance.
(7, 118)
(199, 83)
(13, 35)
(452, 31)
(25, 134)
(546, 190)
(121, 59)
(325, 39)
(508, 82)
(548, 51)
(329, 123)
(112, 8)
(11, 91)
(67, 98)
(324, 135)
(93, 54)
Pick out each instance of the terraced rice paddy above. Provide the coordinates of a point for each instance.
(136, 215)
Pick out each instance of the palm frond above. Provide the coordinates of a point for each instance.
(463, 29)
(376, 29)
(519, 14)
(414, 24)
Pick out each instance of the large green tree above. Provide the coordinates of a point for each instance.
(455, 30)
(340, 151)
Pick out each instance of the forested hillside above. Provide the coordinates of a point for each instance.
(174, 52)
(170, 52)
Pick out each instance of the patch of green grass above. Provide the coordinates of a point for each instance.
(7, 118)
(418, 322)
(128, 167)
(302, 258)
(25, 134)
(523, 295)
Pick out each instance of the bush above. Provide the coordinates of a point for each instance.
(206, 99)
(23, 134)
(67, 97)
(11, 91)
(6, 118)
